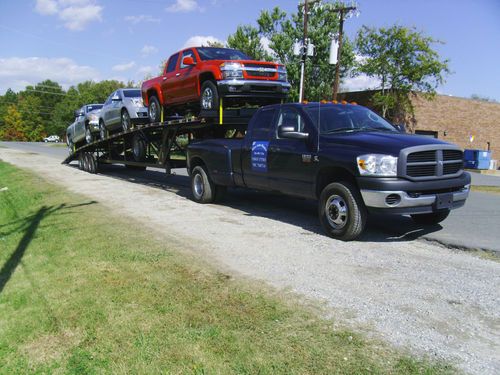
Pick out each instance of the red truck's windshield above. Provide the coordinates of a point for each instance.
(212, 53)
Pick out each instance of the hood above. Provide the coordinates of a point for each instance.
(380, 142)
(95, 112)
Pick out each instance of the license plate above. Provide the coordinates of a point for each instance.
(444, 201)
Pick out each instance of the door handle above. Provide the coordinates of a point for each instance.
(164, 78)
(178, 74)
(274, 149)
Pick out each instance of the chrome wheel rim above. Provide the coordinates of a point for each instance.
(125, 121)
(207, 98)
(88, 135)
(102, 130)
(336, 212)
(198, 187)
(153, 111)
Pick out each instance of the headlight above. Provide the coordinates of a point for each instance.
(137, 102)
(377, 165)
(231, 70)
(282, 76)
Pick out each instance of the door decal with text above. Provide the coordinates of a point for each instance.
(259, 156)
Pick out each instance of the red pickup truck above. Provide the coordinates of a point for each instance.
(196, 79)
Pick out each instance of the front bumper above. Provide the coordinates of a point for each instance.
(400, 196)
(259, 88)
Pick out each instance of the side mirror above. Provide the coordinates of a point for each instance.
(188, 60)
(400, 127)
(78, 113)
(285, 131)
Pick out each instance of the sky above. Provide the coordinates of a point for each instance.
(71, 41)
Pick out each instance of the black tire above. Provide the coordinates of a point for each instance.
(80, 161)
(103, 133)
(85, 159)
(431, 218)
(202, 187)
(341, 210)
(92, 163)
(125, 120)
(209, 96)
(139, 147)
(154, 109)
(89, 137)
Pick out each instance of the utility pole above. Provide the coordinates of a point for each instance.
(343, 11)
(304, 49)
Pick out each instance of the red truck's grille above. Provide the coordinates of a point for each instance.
(260, 71)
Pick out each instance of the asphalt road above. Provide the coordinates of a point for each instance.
(475, 226)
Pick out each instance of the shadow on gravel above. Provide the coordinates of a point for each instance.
(295, 211)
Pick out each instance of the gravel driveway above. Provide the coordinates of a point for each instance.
(413, 294)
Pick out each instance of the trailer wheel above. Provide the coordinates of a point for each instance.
(89, 137)
(85, 160)
(154, 109)
(431, 218)
(139, 148)
(80, 161)
(93, 166)
(341, 211)
(209, 99)
(202, 187)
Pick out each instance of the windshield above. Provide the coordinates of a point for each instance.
(132, 93)
(344, 118)
(211, 53)
(93, 107)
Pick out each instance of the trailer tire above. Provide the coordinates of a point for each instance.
(154, 109)
(432, 218)
(202, 187)
(92, 163)
(209, 98)
(139, 148)
(80, 161)
(85, 160)
(341, 211)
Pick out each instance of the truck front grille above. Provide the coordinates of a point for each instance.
(434, 163)
(260, 71)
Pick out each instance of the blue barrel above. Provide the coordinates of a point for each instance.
(477, 159)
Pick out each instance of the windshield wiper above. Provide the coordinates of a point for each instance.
(337, 130)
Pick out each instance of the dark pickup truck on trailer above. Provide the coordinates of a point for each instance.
(343, 155)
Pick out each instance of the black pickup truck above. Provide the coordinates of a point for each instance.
(345, 156)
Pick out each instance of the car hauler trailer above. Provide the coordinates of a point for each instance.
(158, 144)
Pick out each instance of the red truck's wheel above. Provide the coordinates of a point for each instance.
(209, 99)
(154, 109)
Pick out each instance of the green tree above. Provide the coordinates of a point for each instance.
(12, 128)
(404, 62)
(32, 112)
(49, 93)
(281, 31)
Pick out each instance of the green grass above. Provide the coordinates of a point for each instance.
(487, 189)
(85, 292)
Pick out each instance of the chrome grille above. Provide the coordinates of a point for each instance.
(431, 162)
(261, 71)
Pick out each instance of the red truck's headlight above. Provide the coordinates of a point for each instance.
(282, 76)
(231, 70)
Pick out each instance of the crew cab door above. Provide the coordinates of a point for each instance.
(255, 148)
(169, 85)
(187, 80)
(292, 162)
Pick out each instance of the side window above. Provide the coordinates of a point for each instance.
(108, 100)
(189, 52)
(172, 63)
(263, 123)
(291, 118)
